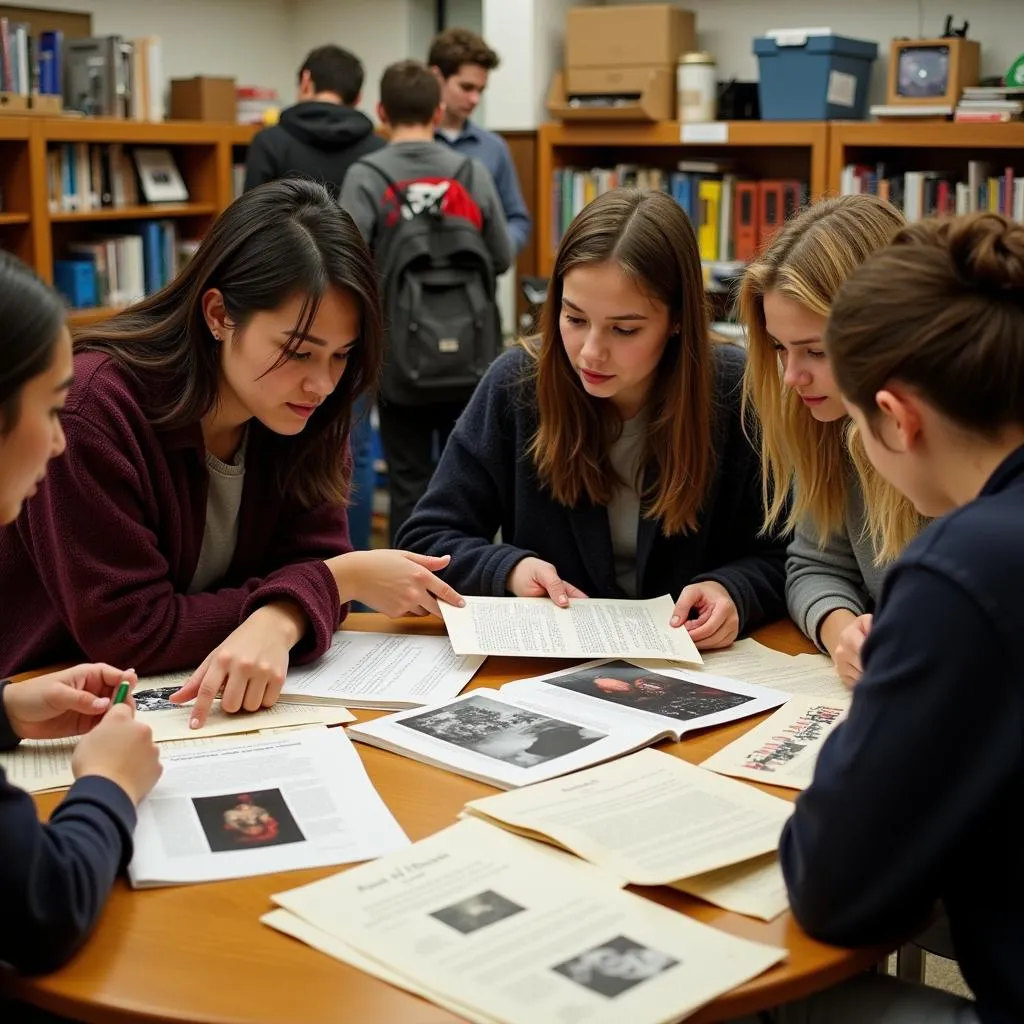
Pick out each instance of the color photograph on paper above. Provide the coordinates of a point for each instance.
(247, 821)
(155, 699)
(501, 731)
(615, 967)
(631, 686)
(476, 912)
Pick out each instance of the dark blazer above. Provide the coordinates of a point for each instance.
(486, 481)
(55, 878)
(97, 566)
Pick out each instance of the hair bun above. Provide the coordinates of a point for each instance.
(988, 252)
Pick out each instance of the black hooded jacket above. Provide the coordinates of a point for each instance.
(312, 140)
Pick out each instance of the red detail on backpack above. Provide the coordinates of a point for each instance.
(455, 200)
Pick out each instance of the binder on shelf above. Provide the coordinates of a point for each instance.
(748, 219)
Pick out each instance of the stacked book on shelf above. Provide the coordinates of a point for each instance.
(83, 176)
(923, 193)
(988, 104)
(116, 270)
(732, 215)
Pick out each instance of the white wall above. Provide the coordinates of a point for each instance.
(247, 39)
(727, 27)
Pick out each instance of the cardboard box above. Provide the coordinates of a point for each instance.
(203, 98)
(646, 94)
(628, 36)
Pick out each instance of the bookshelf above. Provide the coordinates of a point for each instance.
(205, 153)
(759, 149)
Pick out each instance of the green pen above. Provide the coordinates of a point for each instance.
(122, 692)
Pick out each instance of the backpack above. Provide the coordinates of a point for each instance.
(438, 290)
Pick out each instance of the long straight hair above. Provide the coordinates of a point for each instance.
(804, 462)
(31, 318)
(648, 236)
(284, 239)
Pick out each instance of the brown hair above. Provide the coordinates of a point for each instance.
(651, 239)
(457, 46)
(942, 311)
(804, 461)
(285, 238)
(409, 93)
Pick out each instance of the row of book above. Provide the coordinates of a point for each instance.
(29, 63)
(84, 176)
(119, 269)
(732, 215)
(924, 193)
(990, 104)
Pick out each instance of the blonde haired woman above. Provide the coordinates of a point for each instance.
(849, 523)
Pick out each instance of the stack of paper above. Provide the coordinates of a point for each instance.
(301, 799)
(654, 819)
(483, 924)
(540, 728)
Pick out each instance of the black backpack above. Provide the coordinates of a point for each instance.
(438, 292)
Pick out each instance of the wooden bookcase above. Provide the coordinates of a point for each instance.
(761, 149)
(941, 146)
(204, 151)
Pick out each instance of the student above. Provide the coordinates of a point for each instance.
(914, 795)
(462, 61)
(323, 134)
(55, 878)
(197, 517)
(416, 416)
(849, 523)
(609, 451)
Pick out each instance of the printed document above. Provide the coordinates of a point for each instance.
(540, 728)
(277, 803)
(753, 887)
(783, 750)
(535, 627)
(650, 818)
(518, 938)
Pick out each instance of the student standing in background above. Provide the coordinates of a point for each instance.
(849, 523)
(319, 138)
(462, 62)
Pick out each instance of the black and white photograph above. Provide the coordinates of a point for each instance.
(475, 912)
(513, 735)
(155, 699)
(247, 821)
(631, 686)
(615, 966)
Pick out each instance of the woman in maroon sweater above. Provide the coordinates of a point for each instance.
(198, 515)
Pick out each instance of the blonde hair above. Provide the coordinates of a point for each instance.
(804, 461)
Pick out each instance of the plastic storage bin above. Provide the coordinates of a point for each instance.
(806, 76)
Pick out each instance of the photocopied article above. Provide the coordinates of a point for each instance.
(535, 627)
(755, 887)
(649, 817)
(783, 750)
(519, 938)
(797, 675)
(299, 800)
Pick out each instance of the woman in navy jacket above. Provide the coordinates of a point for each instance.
(610, 450)
(55, 878)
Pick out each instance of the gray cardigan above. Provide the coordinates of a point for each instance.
(842, 574)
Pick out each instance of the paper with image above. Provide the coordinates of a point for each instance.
(298, 800)
(494, 926)
(535, 627)
(783, 750)
(650, 817)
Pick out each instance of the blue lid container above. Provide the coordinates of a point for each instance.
(806, 76)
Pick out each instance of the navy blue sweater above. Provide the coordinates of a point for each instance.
(486, 480)
(917, 796)
(55, 878)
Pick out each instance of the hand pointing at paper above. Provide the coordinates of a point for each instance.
(716, 621)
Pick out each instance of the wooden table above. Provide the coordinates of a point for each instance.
(198, 953)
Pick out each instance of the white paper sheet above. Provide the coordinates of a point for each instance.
(521, 939)
(298, 800)
(536, 627)
(649, 817)
(783, 750)
(753, 887)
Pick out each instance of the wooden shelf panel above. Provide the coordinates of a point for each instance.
(166, 133)
(87, 317)
(669, 133)
(154, 211)
(14, 218)
(15, 126)
(941, 135)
